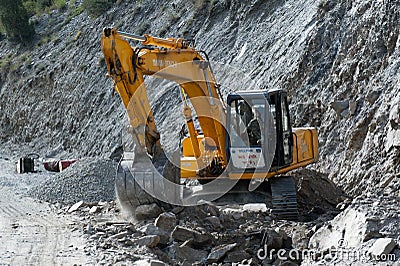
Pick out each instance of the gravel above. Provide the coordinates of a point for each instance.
(89, 180)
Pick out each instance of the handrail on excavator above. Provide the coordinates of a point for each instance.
(170, 43)
(132, 36)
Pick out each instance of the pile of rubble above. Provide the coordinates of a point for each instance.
(89, 180)
(189, 235)
(197, 235)
(316, 194)
(241, 235)
(223, 234)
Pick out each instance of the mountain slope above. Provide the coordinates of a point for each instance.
(56, 98)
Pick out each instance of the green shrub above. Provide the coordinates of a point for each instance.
(41, 6)
(97, 7)
(59, 4)
(76, 11)
(15, 20)
(2, 29)
(31, 7)
(323, 5)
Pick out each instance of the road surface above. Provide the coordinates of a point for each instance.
(31, 233)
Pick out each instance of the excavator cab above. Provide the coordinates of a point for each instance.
(259, 131)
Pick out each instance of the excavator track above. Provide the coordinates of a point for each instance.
(284, 198)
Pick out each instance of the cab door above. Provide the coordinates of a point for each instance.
(249, 128)
(284, 138)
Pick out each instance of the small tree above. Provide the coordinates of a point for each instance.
(15, 20)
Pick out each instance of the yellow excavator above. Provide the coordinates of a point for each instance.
(246, 138)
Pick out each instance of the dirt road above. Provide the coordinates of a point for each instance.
(31, 233)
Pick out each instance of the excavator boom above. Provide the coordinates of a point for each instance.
(181, 64)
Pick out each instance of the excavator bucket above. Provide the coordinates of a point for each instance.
(139, 179)
(139, 183)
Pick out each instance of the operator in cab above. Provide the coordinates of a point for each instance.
(254, 129)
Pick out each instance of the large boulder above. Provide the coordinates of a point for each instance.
(166, 221)
(147, 211)
(357, 227)
(382, 246)
(352, 226)
(184, 253)
(183, 234)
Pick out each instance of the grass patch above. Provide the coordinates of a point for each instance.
(73, 12)
(12, 62)
(47, 39)
(2, 29)
(39, 7)
(59, 4)
(172, 18)
(5, 62)
(200, 4)
(97, 7)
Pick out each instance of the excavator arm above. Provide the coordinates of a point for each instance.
(174, 60)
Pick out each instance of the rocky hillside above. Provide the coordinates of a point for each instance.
(338, 60)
